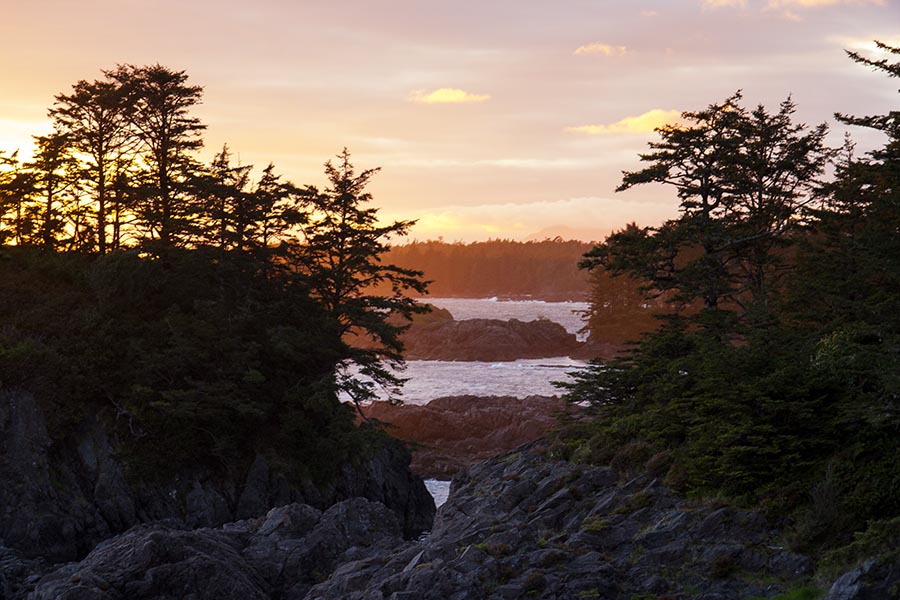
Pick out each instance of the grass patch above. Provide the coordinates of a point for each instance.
(594, 524)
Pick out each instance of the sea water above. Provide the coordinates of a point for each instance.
(568, 314)
(430, 379)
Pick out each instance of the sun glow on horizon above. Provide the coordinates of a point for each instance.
(17, 136)
(466, 107)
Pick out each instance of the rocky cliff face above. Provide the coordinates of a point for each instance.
(522, 525)
(59, 499)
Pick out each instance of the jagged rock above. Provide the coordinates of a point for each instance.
(488, 340)
(875, 579)
(17, 574)
(521, 525)
(455, 432)
(59, 499)
(158, 561)
(282, 555)
(524, 525)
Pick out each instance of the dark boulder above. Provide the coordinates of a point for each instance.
(876, 578)
(281, 555)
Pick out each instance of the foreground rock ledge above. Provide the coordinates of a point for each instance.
(518, 526)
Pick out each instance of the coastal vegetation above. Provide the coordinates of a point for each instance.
(771, 378)
(206, 314)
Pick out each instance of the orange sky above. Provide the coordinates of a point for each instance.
(490, 118)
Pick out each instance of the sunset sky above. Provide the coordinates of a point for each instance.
(489, 118)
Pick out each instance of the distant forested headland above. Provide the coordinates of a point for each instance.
(545, 269)
(539, 270)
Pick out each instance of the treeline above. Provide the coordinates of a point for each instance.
(120, 170)
(503, 268)
(205, 313)
(772, 377)
(546, 270)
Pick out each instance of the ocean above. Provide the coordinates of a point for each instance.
(567, 314)
(430, 379)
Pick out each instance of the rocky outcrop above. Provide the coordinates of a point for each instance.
(60, 499)
(521, 525)
(488, 340)
(524, 525)
(281, 555)
(876, 578)
(455, 432)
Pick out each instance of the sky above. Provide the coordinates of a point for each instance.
(488, 118)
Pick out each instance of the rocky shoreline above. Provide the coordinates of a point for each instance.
(521, 525)
(452, 433)
(488, 340)
(437, 335)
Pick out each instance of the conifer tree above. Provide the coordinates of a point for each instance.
(92, 118)
(742, 178)
(159, 101)
(54, 177)
(340, 258)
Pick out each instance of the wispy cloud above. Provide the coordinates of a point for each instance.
(787, 4)
(649, 13)
(789, 8)
(447, 96)
(601, 49)
(530, 164)
(713, 4)
(643, 123)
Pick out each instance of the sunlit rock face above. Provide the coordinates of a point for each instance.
(488, 340)
(458, 431)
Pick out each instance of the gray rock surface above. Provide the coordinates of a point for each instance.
(526, 526)
(59, 499)
(279, 556)
(520, 525)
(877, 578)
